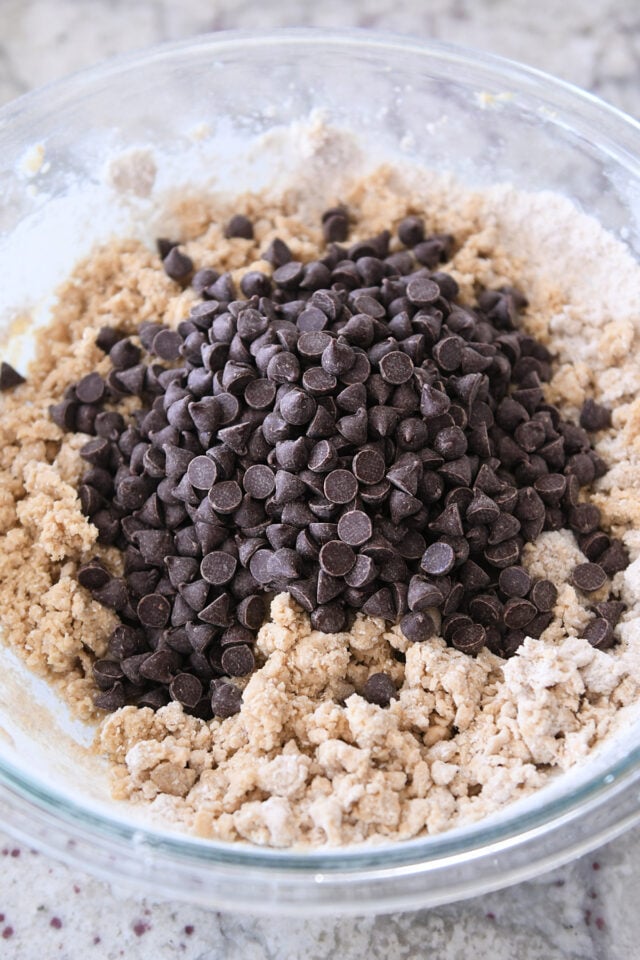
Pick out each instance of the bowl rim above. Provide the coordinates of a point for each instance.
(618, 135)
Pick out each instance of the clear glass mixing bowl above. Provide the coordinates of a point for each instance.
(484, 119)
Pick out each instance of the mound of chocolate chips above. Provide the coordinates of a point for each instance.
(346, 432)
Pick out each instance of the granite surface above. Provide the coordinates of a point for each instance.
(584, 911)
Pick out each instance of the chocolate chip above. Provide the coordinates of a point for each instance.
(582, 466)
(283, 368)
(335, 228)
(336, 558)
(450, 443)
(355, 528)
(186, 689)
(107, 337)
(297, 408)
(226, 700)
(517, 613)
(486, 609)
(411, 231)
(433, 403)
(238, 660)
(396, 367)
(438, 559)
(380, 604)
(551, 488)
(585, 518)
(259, 481)
(417, 626)
(218, 567)
(109, 424)
(421, 291)
(260, 394)
(154, 610)
(225, 497)
(544, 594)
(368, 466)
(91, 389)
(514, 582)
(337, 358)
(588, 577)
(503, 554)
(599, 633)
(340, 486)
(239, 226)
(469, 637)
(64, 414)
(177, 265)
(106, 673)
(328, 618)
(251, 612)
(124, 354)
(93, 576)
(166, 344)
(9, 377)
(611, 610)
(202, 472)
(594, 416)
(448, 353)
(614, 559)
(594, 544)
(112, 699)
(379, 689)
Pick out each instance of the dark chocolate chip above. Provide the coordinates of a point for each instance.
(167, 344)
(259, 481)
(225, 497)
(422, 291)
(379, 689)
(328, 618)
(355, 527)
(396, 367)
(599, 633)
(112, 699)
(186, 689)
(177, 265)
(226, 700)
(518, 613)
(614, 559)
(239, 226)
(218, 567)
(417, 626)
(588, 577)
(514, 582)
(336, 558)
(154, 610)
(90, 389)
(594, 416)
(469, 637)
(611, 610)
(438, 559)
(340, 486)
(544, 594)
(368, 466)
(238, 660)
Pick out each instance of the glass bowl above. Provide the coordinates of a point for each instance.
(483, 118)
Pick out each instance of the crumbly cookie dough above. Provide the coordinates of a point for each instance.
(307, 760)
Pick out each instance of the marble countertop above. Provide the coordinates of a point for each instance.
(584, 911)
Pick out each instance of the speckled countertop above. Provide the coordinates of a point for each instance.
(585, 911)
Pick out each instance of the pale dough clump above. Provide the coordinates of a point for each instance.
(308, 760)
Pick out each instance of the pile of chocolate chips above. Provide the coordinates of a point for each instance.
(346, 432)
